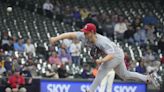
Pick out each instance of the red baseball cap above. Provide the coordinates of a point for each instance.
(89, 27)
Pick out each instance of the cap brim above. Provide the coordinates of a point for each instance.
(83, 30)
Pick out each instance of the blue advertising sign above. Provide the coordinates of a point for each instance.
(80, 86)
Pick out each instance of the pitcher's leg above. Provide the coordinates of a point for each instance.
(103, 83)
(103, 71)
(100, 75)
(122, 71)
(125, 74)
(107, 82)
(111, 76)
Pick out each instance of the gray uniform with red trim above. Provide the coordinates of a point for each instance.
(117, 63)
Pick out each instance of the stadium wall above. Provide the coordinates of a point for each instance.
(79, 85)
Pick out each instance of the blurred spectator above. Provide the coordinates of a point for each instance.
(95, 70)
(127, 22)
(27, 74)
(118, 11)
(54, 59)
(115, 19)
(1, 54)
(136, 23)
(16, 83)
(141, 67)
(94, 15)
(120, 27)
(76, 14)
(3, 79)
(148, 55)
(50, 73)
(62, 72)
(17, 63)
(132, 66)
(5, 39)
(59, 13)
(14, 38)
(150, 33)
(29, 56)
(77, 17)
(68, 18)
(48, 8)
(86, 72)
(2, 62)
(57, 9)
(2, 70)
(84, 13)
(150, 19)
(65, 45)
(107, 27)
(153, 66)
(140, 36)
(94, 11)
(103, 17)
(8, 64)
(19, 46)
(51, 47)
(128, 35)
(75, 50)
(161, 44)
(162, 60)
(65, 57)
(30, 62)
(31, 67)
(41, 50)
(29, 47)
(9, 46)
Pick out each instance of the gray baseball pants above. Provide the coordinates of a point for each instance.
(118, 64)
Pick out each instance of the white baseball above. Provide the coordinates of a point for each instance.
(9, 9)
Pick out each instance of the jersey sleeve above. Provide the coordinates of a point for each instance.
(80, 36)
(108, 48)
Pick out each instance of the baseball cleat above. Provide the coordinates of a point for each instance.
(155, 80)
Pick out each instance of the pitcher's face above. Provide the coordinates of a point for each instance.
(88, 35)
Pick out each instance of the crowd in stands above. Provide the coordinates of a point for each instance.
(17, 54)
(140, 31)
(20, 57)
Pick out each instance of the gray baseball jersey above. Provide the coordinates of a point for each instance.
(102, 42)
(117, 63)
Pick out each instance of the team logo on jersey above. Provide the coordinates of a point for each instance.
(85, 27)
